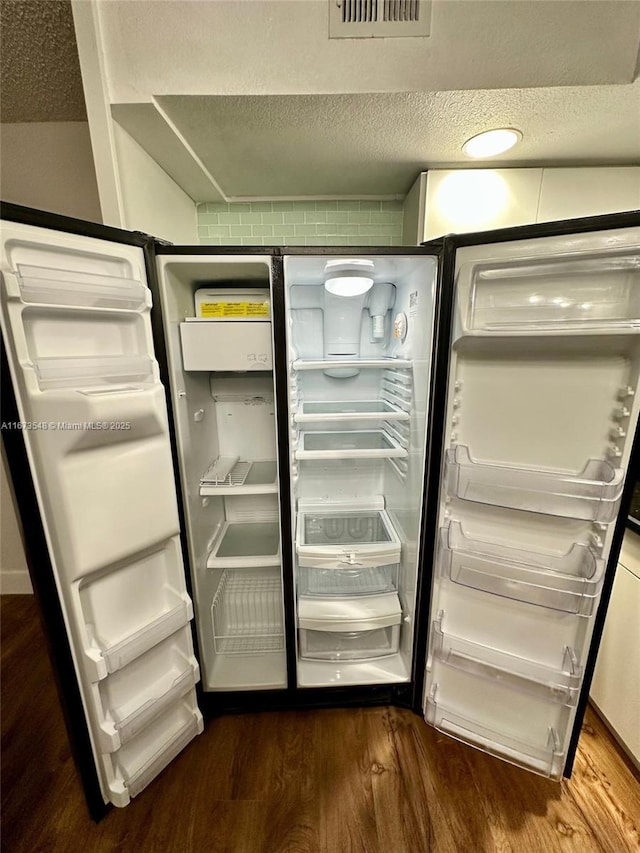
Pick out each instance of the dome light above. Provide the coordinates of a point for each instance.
(491, 142)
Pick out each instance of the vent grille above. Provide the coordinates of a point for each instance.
(379, 18)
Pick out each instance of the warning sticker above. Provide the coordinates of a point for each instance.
(234, 309)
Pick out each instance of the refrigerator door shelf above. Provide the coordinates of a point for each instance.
(545, 758)
(139, 761)
(349, 645)
(344, 581)
(561, 294)
(356, 444)
(124, 722)
(246, 613)
(351, 363)
(560, 685)
(346, 410)
(245, 544)
(569, 582)
(345, 539)
(71, 288)
(100, 372)
(593, 494)
(228, 475)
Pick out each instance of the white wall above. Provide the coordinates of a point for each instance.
(151, 201)
(49, 165)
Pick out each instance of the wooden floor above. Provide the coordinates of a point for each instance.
(334, 780)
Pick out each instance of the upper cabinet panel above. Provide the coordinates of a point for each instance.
(570, 193)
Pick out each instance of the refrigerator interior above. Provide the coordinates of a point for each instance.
(222, 387)
(542, 408)
(359, 336)
(75, 320)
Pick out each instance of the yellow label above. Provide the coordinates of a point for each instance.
(234, 309)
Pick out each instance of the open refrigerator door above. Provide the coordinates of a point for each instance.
(75, 321)
(541, 412)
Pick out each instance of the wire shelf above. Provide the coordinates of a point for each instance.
(246, 613)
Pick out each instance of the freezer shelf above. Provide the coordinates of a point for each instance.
(569, 582)
(228, 475)
(565, 294)
(556, 685)
(246, 544)
(246, 613)
(545, 758)
(345, 410)
(70, 287)
(354, 363)
(593, 495)
(344, 581)
(356, 444)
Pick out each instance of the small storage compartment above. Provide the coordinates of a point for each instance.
(371, 580)
(350, 536)
(349, 628)
(246, 613)
(226, 345)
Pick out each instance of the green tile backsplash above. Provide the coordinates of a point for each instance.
(301, 223)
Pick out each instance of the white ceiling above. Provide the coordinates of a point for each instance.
(250, 99)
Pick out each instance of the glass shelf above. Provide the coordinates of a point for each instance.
(569, 582)
(355, 363)
(347, 410)
(593, 494)
(563, 294)
(230, 476)
(246, 544)
(355, 444)
(545, 758)
(556, 685)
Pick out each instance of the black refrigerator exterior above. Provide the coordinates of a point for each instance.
(410, 694)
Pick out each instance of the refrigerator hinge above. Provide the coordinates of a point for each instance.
(157, 240)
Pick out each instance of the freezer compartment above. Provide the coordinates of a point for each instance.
(139, 693)
(568, 582)
(350, 410)
(49, 286)
(138, 762)
(226, 345)
(566, 293)
(355, 444)
(593, 494)
(229, 475)
(245, 544)
(246, 613)
(348, 537)
(561, 684)
(543, 755)
(371, 580)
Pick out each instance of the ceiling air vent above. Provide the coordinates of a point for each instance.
(379, 18)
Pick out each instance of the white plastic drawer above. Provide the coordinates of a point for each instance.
(224, 345)
(349, 645)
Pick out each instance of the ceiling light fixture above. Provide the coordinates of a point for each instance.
(491, 142)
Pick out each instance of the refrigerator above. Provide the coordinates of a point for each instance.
(260, 478)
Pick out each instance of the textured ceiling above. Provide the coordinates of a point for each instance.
(39, 70)
(375, 144)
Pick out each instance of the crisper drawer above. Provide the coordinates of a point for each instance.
(369, 580)
(349, 628)
(335, 536)
(349, 645)
(225, 345)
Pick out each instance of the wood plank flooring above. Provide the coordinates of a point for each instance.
(372, 780)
